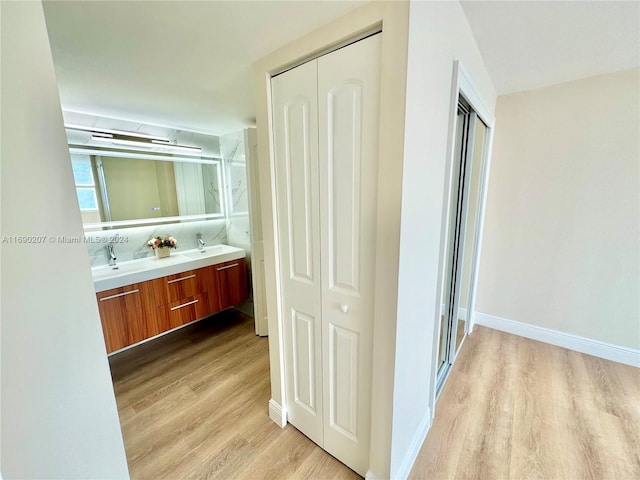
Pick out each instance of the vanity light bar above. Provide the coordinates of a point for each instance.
(97, 130)
(151, 144)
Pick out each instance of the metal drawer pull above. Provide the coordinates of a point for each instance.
(228, 266)
(119, 295)
(181, 278)
(184, 305)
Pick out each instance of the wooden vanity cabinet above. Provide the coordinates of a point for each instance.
(232, 283)
(136, 312)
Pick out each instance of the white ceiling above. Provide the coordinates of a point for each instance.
(181, 64)
(532, 44)
(187, 64)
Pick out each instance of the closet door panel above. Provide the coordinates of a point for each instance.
(299, 166)
(303, 335)
(348, 96)
(344, 388)
(344, 182)
(295, 126)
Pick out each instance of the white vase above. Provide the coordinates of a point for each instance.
(163, 252)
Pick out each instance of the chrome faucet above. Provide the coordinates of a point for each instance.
(200, 242)
(112, 256)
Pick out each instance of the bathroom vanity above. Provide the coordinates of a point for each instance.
(145, 298)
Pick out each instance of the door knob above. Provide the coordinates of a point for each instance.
(344, 308)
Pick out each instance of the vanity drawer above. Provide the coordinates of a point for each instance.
(183, 285)
(185, 310)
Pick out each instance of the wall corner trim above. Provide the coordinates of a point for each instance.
(369, 476)
(608, 351)
(277, 413)
(414, 448)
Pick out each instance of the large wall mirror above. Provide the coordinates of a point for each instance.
(117, 188)
(471, 136)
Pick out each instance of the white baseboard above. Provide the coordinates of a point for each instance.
(277, 413)
(371, 476)
(462, 312)
(414, 448)
(608, 351)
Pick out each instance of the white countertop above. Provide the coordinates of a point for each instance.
(134, 271)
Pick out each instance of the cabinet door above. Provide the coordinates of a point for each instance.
(209, 276)
(128, 313)
(122, 316)
(232, 283)
(154, 294)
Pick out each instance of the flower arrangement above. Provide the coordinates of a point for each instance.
(166, 242)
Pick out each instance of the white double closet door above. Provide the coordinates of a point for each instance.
(325, 122)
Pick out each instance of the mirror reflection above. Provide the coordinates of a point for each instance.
(467, 175)
(470, 230)
(116, 189)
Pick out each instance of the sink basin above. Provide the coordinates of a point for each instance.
(123, 268)
(207, 252)
(133, 271)
(154, 262)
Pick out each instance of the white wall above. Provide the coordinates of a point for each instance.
(562, 226)
(58, 411)
(438, 35)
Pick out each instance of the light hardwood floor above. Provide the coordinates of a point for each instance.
(514, 408)
(194, 405)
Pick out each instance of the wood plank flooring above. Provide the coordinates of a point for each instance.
(515, 408)
(194, 405)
